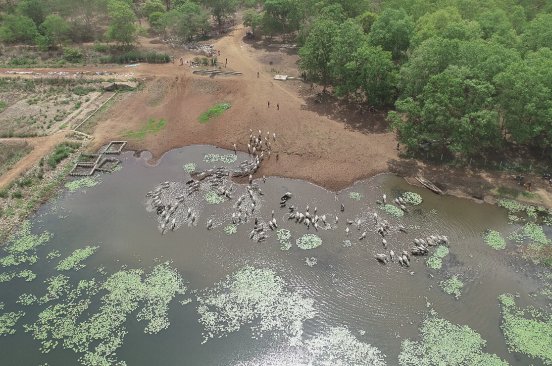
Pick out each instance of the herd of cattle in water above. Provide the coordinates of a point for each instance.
(174, 204)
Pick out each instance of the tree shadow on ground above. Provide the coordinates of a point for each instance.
(271, 45)
(356, 117)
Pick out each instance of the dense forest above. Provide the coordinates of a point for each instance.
(462, 78)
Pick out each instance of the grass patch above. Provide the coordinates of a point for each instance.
(392, 210)
(135, 56)
(214, 111)
(3, 105)
(444, 343)
(452, 286)
(526, 331)
(11, 153)
(494, 240)
(152, 127)
(61, 152)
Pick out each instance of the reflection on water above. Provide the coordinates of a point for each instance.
(373, 304)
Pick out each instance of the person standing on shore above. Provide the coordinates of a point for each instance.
(268, 104)
(278, 106)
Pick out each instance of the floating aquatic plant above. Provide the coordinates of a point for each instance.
(494, 240)
(412, 198)
(355, 196)
(53, 254)
(347, 243)
(231, 229)
(309, 241)
(22, 246)
(213, 198)
(526, 331)
(311, 261)
(445, 343)
(86, 182)
(253, 296)
(338, 347)
(190, 167)
(452, 286)
(27, 299)
(530, 231)
(213, 158)
(284, 237)
(74, 261)
(26, 274)
(511, 205)
(436, 260)
(8, 322)
(392, 210)
(98, 335)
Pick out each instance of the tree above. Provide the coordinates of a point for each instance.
(152, 6)
(372, 71)
(524, 90)
(455, 113)
(17, 28)
(445, 23)
(316, 53)
(34, 9)
(56, 29)
(122, 27)
(392, 31)
(281, 16)
(185, 21)
(221, 9)
(538, 33)
(366, 20)
(253, 19)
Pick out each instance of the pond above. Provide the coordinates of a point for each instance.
(204, 289)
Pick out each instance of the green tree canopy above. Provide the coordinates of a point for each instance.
(221, 9)
(34, 9)
(122, 27)
(252, 18)
(538, 33)
(185, 21)
(392, 31)
(56, 29)
(17, 28)
(317, 51)
(152, 6)
(445, 23)
(281, 16)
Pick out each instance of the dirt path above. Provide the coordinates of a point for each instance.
(41, 147)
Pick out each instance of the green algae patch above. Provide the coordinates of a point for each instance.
(26, 274)
(337, 346)
(74, 261)
(445, 343)
(392, 210)
(53, 254)
(452, 286)
(311, 261)
(309, 241)
(96, 333)
(78, 184)
(355, 196)
(22, 246)
(412, 198)
(190, 167)
(231, 229)
(213, 198)
(8, 322)
(436, 259)
(27, 299)
(494, 240)
(284, 237)
(257, 297)
(526, 331)
(215, 111)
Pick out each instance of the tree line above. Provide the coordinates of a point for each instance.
(52, 23)
(464, 78)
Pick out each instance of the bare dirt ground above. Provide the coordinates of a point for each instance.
(323, 141)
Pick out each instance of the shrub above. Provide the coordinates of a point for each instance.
(100, 47)
(151, 57)
(17, 194)
(61, 152)
(72, 54)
